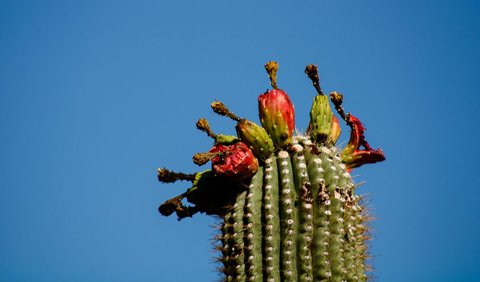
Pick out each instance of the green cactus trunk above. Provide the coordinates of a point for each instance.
(289, 205)
(299, 220)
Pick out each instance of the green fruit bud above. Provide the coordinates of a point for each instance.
(256, 138)
(320, 119)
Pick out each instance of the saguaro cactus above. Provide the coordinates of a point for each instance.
(289, 207)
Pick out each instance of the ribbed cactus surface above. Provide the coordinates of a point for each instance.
(289, 206)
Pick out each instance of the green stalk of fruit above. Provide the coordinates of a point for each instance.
(290, 210)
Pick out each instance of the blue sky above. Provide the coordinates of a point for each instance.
(96, 95)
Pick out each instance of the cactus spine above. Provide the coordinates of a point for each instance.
(291, 212)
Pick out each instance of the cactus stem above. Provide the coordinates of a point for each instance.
(253, 231)
(321, 270)
(312, 72)
(237, 236)
(272, 68)
(334, 189)
(227, 246)
(288, 219)
(168, 176)
(271, 228)
(220, 108)
(305, 216)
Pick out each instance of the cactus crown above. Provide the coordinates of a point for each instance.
(289, 207)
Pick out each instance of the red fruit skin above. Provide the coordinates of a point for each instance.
(352, 155)
(235, 161)
(277, 116)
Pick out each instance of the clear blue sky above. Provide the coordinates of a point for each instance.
(95, 95)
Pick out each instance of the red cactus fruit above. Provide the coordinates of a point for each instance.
(352, 155)
(277, 116)
(235, 161)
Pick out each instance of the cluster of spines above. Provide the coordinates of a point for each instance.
(360, 238)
